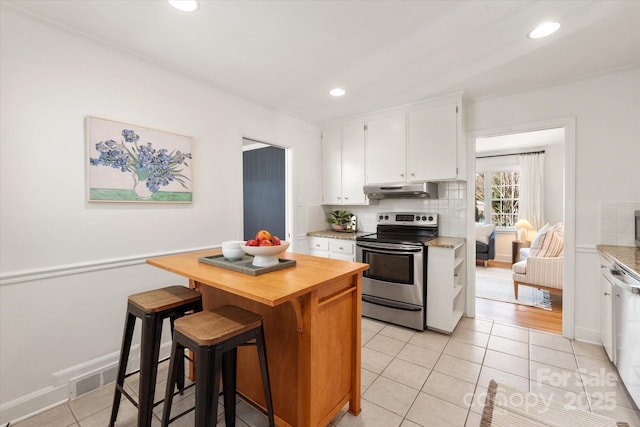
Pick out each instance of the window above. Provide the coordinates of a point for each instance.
(503, 191)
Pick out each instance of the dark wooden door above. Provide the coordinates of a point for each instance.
(264, 191)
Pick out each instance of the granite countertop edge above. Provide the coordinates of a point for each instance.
(446, 242)
(439, 242)
(342, 235)
(627, 256)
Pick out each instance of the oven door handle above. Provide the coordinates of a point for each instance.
(392, 248)
(388, 303)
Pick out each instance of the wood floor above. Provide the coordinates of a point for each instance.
(522, 315)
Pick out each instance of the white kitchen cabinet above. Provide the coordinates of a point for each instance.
(386, 150)
(445, 287)
(332, 248)
(424, 143)
(432, 144)
(332, 166)
(343, 165)
(319, 246)
(606, 309)
(342, 249)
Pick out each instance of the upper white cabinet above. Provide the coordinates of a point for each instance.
(423, 142)
(386, 150)
(332, 165)
(343, 165)
(353, 164)
(432, 143)
(417, 143)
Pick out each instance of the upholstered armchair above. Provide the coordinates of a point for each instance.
(542, 266)
(539, 272)
(485, 242)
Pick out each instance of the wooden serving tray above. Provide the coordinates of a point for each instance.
(244, 264)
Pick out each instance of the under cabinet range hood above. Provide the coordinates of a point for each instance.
(423, 190)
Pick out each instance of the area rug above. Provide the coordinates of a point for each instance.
(508, 407)
(497, 284)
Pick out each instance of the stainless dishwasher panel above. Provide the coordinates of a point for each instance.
(627, 327)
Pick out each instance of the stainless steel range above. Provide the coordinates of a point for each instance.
(394, 288)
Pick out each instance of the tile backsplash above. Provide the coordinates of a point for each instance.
(450, 207)
(617, 223)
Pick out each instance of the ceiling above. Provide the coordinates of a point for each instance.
(288, 54)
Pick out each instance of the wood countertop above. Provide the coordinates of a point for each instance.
(272, 288)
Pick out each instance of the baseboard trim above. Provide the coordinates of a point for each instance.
(49, 397)
(33, 403)
(587, 335)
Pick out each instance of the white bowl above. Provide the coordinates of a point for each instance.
(231, 250)
(265, 256)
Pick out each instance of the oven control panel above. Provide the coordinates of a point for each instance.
(408, 218)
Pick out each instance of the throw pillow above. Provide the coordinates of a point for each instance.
(535, 242)
(483, 231)
(559, 228)
(549, 245)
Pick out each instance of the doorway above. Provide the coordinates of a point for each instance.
(497, 196)
(264, 189)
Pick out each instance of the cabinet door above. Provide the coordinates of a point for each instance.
(432, 146)
(386, 150)
(353, 164)
(332, 166)
(606, 314)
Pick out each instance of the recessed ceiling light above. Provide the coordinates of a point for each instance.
(337, 92)
(184, 5)
(543, 30)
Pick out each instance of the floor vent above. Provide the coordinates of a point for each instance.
(92, 381)
(109, 375)
(88, 384)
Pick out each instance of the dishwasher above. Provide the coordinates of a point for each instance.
(627, 329)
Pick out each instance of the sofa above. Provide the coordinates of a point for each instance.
(485, 242)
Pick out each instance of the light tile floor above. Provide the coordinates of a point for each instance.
(414, 378)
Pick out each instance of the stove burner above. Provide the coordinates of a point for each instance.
(404, 228)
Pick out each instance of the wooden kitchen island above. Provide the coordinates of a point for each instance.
(312, 325)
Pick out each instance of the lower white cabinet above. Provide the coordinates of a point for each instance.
(606, 308)
(445, 287)
(332, 248)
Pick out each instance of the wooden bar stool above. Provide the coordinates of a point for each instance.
(152, 308)
(214, 336)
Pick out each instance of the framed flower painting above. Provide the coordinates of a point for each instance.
(129, 163)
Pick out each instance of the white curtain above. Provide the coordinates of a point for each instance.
(532, 189)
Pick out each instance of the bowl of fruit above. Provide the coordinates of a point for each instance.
(265, 248)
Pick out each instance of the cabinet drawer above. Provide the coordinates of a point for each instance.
(342, 247)
(319, 243)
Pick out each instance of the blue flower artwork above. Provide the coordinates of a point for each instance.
(131, 163)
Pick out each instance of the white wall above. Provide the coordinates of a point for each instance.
(67, 266)
(606, 109)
